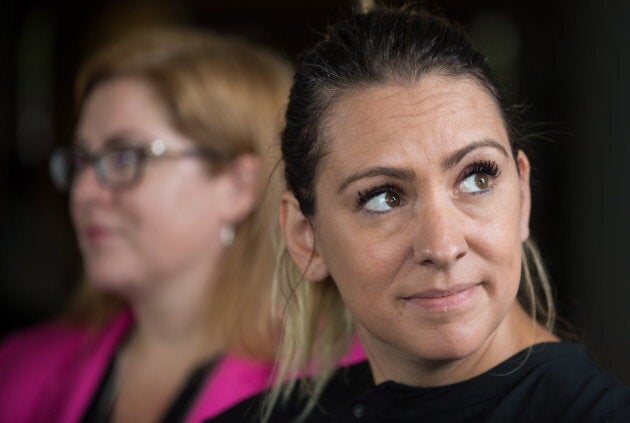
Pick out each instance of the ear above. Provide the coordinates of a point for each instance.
(243, 175)
(299, 236)
(526, 199)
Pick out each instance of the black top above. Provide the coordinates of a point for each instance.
(550, 382)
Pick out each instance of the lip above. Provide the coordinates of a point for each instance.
(443, 300)
(95, 233)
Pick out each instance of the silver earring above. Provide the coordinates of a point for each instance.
(227, 234)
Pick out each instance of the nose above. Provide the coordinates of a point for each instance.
(439, 238)
(87, 189)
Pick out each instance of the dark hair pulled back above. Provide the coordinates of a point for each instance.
(379, 47)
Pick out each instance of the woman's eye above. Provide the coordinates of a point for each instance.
(478, 182)
(122, 158)
(383, 202)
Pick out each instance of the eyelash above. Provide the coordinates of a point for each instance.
(366, 195)
(487, 167)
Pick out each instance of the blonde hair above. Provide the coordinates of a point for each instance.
(227, 95)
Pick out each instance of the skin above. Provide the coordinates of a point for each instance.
(157, 243)
(421, 240)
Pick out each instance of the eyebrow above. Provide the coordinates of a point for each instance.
(457, 156)
(408, 174)
(119, 140)
(398, 173)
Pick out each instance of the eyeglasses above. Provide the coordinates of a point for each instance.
(117, 168)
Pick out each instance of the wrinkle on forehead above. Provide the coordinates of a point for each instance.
(432, 97)
(433, 119)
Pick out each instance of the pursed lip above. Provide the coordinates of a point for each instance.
(446, 299)
(95, 232)
(437, 293)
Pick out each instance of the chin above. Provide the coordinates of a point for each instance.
(108, 278)
(447, 352)
(451, 345)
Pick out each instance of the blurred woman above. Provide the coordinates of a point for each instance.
(173, 147)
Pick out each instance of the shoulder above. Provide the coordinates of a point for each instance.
(568, 367)
(57, 338)
(42, 363)
(40, 343)
(569, 382)
(29, 360)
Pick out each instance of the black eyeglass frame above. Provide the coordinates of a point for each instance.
(65, 164)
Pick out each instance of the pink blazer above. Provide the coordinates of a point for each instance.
(50, 373)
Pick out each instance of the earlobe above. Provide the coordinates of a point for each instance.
(300, 239)
(244, 174)
(526, 200)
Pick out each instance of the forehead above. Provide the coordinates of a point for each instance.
(124, 106)
(427, 120)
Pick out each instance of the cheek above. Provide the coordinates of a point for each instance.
(358, 259)
(172, 212)
(497, 241)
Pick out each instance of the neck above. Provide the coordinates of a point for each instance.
(172, 316)
(517, 332)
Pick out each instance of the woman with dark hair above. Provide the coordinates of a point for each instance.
(406, 220)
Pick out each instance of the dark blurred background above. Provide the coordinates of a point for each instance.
(568, 61)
